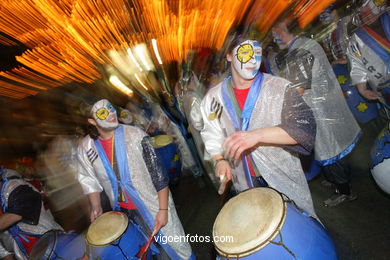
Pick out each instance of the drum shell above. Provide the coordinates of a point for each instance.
(169, 156)
(304, 236)
(69, 246)
(380, 160)
(129, 242)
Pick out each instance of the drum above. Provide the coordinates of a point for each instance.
(169, 155)
(380, 160)
(114, 236)
(362, 109)
(260, 224)
(58, 245)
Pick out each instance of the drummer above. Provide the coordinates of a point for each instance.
(119, 163)
(252, 121)
(23, 218)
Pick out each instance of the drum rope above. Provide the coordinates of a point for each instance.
(120, 248)
(296, 206)
(283, 245)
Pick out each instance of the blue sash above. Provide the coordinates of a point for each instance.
(374, 45)
(126, 183)
(242, 123)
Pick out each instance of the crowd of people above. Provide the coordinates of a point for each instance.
(250, 129)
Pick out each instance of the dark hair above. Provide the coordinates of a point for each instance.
(93, 132)
(236, 36)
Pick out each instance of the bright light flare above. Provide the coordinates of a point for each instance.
(116, 82)
(140, 82)
(154, 44)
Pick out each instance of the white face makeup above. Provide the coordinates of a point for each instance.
(246, 59)
(125, 117)
(105, 115)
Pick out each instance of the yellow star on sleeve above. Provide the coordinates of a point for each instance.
(362, 107)
(341, 79)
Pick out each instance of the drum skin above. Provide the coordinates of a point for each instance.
(169, 156)
(380, 160)
(303, 237)
(125, 247)
(59, 245)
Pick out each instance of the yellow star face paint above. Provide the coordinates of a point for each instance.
(245, 52)
(102, 113)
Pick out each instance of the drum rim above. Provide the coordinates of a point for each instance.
(107, 244)
(266, 241)
(54, 246)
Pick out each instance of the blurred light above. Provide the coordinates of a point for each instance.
(134, 59)
(154, 43)
(142, 54)
(116, 82)
(140, 82)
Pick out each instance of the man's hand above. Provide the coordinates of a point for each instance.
(161, 220)
(9, 257)
(239, 142)
(96, 211)
(366, 93)
(223, 170)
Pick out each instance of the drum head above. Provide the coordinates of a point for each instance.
(161, 140)
(45, 246)
(250, 220)
(107, 228)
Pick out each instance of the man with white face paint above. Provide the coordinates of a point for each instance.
(308, 68)
(121, 165)
(251, 121)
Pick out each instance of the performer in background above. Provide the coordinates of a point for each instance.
(119, 164)
(253, 125)
(308, 68)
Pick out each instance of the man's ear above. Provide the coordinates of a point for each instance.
(229, 57)
(92, 121)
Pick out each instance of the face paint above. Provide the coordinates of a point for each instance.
(125, 117)
(279, 41)
(247, 59)
(105, 115)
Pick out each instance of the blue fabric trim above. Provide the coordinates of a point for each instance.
(342, 154)
(250, 103)
(292, 43)
(229, 104)
(385, 19)
(268, 67)
(126, 183)
(110, 172)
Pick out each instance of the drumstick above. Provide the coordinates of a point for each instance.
(222, 186)
(142, 253)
